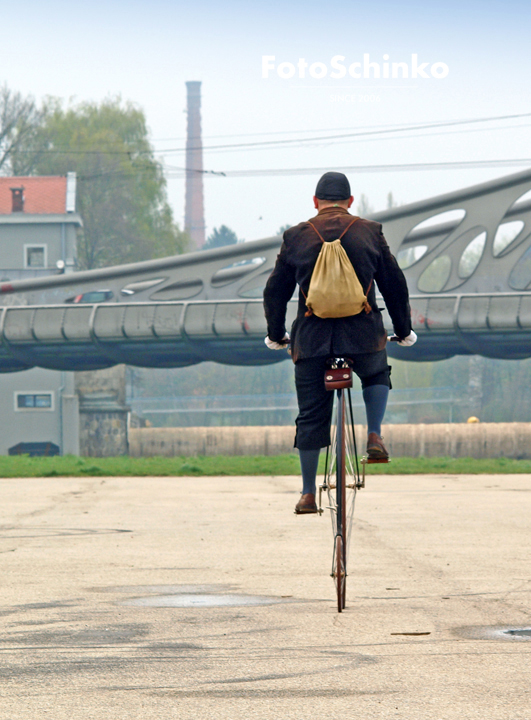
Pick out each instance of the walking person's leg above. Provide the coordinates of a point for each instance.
(313, 425)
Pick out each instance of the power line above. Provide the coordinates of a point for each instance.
(271, 132)
(380, 139)
(421, 126)
(180, 173)
(288, 141)
(455, 165)
(281, 132)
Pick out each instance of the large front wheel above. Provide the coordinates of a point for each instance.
(341, 481)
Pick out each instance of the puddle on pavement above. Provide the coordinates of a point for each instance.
(188, 596)
(178, 589)
(520, 632)
(188, 600)
(495, 632)
(15, 533)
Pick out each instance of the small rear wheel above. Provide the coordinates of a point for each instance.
(340, 573)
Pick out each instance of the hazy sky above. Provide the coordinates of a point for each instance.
(146, 51)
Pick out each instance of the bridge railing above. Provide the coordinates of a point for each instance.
(228, 318)
(123, 321)
(471, 312)
(169, 334)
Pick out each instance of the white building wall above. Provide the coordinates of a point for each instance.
(30, 424)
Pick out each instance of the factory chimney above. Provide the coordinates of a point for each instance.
(194, 216)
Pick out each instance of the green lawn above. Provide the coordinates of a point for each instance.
(23, 466)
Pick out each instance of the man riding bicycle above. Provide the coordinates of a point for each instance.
(360, 337)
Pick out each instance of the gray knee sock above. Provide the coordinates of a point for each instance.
(309, 462)
(375, 397)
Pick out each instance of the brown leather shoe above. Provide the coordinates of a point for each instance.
(306, 505)
(376, 450)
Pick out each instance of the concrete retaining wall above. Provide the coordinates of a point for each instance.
(261, 440)
(477, 440)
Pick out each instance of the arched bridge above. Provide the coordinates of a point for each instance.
(466, 255)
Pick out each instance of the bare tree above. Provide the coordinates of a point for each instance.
(364, 207)
(391, 202)
(20, 120)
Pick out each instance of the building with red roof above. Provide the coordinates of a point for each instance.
(38, 232)
(41, 195)
(38, 226)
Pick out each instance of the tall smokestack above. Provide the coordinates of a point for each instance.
(194, 215)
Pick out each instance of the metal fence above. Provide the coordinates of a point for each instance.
(430, 404)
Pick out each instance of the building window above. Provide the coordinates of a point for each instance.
(34, 401)
(35, 256)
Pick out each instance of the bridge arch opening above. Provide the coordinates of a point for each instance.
(436, 275)
(506, 234)
(471, 256)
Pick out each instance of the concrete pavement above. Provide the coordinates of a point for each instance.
(444, 555)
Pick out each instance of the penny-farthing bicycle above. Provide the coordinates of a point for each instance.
(342, 476)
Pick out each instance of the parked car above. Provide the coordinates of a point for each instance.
(93, 296)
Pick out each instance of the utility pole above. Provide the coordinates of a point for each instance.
(194, 214)
(475, 384)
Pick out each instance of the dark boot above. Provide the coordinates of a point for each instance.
(376, 450)
(306, 505)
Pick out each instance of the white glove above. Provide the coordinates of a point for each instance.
(277, 346)
(410, 340)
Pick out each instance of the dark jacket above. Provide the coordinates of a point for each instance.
(371, 257)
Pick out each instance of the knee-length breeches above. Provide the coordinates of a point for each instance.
(315, 401)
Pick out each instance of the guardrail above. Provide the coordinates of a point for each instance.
(478, 311)
(173, 334)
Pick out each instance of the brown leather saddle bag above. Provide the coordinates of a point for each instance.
(338, 378)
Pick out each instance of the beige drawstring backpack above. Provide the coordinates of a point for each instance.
(335, 290)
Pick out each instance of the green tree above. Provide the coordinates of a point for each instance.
(20, 121)
(121, 188)
(221, 237)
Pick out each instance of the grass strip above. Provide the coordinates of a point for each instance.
(72, 466)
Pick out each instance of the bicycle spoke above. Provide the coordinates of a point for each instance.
(330, 481)
(342, 469)
(353, 474)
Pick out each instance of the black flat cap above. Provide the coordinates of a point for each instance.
(333, 186)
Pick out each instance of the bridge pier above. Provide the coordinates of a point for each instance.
(102, 416)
